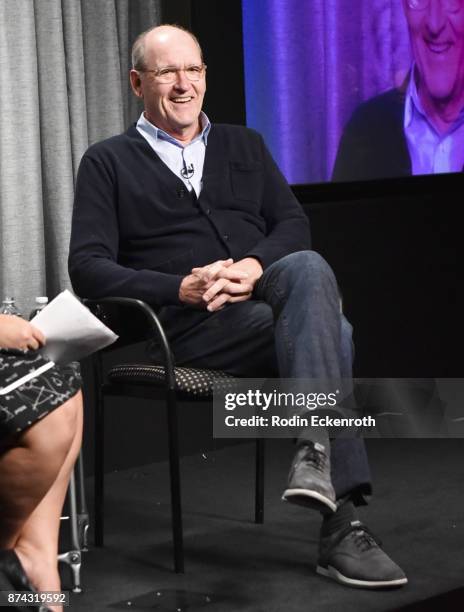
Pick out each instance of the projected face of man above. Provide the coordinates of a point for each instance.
(436, 29)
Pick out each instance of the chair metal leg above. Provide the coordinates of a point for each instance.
(99, 469)
(73, 556)
(259, 481)
(82, 511)
(73, 559)
(176, 505)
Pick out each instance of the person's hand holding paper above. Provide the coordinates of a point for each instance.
(71, 330)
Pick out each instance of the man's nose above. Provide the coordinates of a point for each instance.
(436, 16)
(182, 81)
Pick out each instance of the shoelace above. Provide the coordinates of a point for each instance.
(315, 458)
(363, 538)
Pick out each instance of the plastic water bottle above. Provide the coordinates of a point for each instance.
(40, 303)
(9, 307)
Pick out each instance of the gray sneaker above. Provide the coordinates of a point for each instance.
(353, 557)
(309, 481)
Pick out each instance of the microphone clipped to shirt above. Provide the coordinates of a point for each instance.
(187, 171)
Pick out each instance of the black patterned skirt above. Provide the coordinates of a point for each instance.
(36, 398)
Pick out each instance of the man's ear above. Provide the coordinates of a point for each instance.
(136, 83)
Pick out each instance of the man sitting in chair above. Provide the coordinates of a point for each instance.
(196, 219)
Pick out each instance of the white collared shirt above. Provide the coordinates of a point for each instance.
(430, 151)
(178, 157)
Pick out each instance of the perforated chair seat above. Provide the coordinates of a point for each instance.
(194, 382)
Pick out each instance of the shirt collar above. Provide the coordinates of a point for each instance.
(413, 102)
(158, 133)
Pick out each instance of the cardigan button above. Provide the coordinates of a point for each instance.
(226, 236)
(208, 211)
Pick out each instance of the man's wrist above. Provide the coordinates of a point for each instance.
(253, 267)
(256, 259)
(182, 292)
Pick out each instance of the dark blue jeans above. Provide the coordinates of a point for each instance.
(292, 328)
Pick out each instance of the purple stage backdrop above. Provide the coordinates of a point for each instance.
(308, 64)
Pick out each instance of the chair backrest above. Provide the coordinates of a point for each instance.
(134, 321)
(130, 319)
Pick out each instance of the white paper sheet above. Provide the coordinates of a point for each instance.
(72, 333)
(71, 330)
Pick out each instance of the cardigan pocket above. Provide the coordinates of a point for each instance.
(246, 180)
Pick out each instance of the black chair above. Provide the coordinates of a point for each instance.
(134, 320)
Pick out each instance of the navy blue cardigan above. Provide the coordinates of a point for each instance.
(137, 231)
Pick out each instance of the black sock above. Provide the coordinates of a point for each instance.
(339, 520)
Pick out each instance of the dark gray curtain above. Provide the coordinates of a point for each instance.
(63, 85)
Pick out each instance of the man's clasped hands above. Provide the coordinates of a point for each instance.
(221, 282)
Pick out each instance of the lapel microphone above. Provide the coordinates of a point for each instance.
(187, 171)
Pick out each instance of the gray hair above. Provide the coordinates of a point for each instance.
(138, 48)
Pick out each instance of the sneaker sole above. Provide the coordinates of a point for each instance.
(310, 499)
(334, 574)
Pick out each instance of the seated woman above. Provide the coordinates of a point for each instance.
(40, 439)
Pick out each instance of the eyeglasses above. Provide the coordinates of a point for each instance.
(169, 74)
(450, 6)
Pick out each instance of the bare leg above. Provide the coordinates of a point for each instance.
(28, 470)
(37, 546)
(33, 481)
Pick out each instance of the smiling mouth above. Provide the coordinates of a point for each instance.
(438, 48)
(181, 100)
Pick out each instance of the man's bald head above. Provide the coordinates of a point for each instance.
(162, 34)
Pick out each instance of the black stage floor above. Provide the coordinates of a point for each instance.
(234, 565)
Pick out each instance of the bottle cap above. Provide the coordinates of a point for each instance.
(41, 300)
